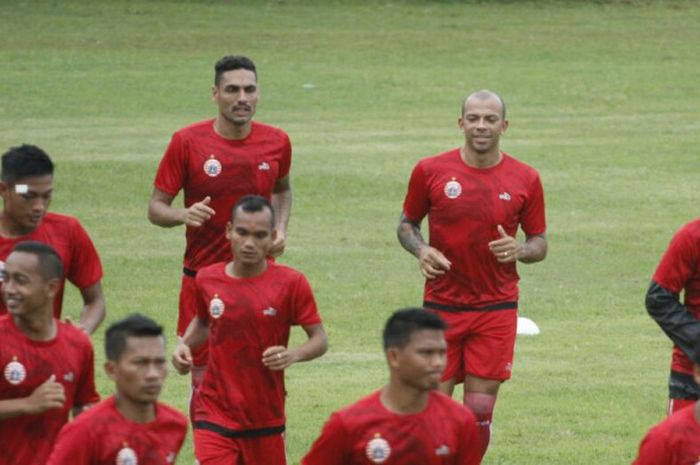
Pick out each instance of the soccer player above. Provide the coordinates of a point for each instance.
(678, 271)
(47, 366)
(131, 427)
(245, 309)
(26, 187)
(676, 440)
(216, 162)
(475, 198)
(408, 421)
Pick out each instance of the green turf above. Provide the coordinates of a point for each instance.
(602, 98)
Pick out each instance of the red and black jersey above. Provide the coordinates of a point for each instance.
(102, 436)
(674, 441)
(464, 206)
(245, 317)
(26, 364)
(366, 433)
(65, 234)
(202, 163)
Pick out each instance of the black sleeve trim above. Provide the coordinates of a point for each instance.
(673, 317)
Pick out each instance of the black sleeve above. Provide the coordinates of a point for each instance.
(673, 317)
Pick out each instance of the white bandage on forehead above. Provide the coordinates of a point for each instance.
(21, 188)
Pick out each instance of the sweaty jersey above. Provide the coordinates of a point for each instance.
(25, 365)
(202, 163)
(245, 317)
(674, 441)
(81, 265)
(102, 436)
(366, 433)
(464, 206)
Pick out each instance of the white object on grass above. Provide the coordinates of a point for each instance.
(527, 327)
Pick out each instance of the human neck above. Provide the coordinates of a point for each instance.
(228, 130)
(237, 269)
(138, 412)
(10, 229)
(37, 327)
(480, 160)
(402, 399)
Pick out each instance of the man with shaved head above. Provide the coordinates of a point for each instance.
(475, 197)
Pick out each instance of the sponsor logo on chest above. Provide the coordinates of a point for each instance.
(378, 449)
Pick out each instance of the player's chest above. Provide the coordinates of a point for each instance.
(218, 164)
(136, 448)
(246, 305)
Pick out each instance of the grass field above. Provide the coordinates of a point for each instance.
(602, 98)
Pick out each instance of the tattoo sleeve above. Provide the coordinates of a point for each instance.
(409, 235)
(673, 317)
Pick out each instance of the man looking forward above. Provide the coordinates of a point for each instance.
(26, 187)
(475, 198)
(245, 309)
(408, 421)
(47, 366)
(131, 427)
(216, 162)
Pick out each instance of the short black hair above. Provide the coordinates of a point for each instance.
(254, 203)
(25, 161)
(134, 325)
(406, 321)
(230, 63)
(50, 263)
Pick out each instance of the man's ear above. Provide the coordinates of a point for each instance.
(110, 369)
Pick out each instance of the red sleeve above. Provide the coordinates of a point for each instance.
(170, 176)
(532, 219)
(86, 393)
(417, 202)
(86, 268)
(304, 308)
(654, 449)
(329, 448)
(678, 263)
(286, 159)
(202, 310)
(72, 446)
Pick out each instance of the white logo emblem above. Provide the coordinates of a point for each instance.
(269, 311)
(442, 450)
(170, 458)
(504, 196)
(378, 450)
(15, 372)
(127, 456)
(216, 307)
(264, 166)
(69, 377)
(453, 189)
(212, 166)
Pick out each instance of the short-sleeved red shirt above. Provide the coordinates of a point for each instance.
(674, 441)
(202, 163)
(65, 234)
(102, 436)
(26, 364)
(464, 206)
(365, 433)
(246, 316)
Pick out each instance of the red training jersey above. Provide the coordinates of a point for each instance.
(464, 207)
(674, 441)
(26, 364)
(102, 436)
(81, 264)
(366, 433)
(246, 316)
(202, 163)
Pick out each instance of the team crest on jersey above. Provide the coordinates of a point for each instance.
(127, 456)
(378, 449)
(453, 189)
(216, 307)
(15, 372)
(212, 166)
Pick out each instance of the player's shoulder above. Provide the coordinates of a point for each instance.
(59, 220)
(360, 409)
(195, 130)
(513, 163)
(209, 271)
(440, 159)
(170, 415)
(280, 271)
(76, 336)
(101, 413)
(268, 131)
(450, 407)
(692, 227)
